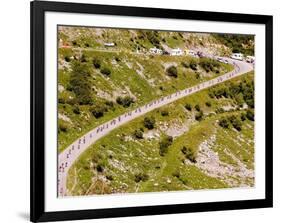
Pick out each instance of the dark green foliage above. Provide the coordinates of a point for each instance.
(63, 126)
(164, 144)
(105, 71)
(188, 107)
(125, 101)
(233, 120)
(197, 107)
(250, 115)
(243, 116)
(237, 42)
(117, 59)
(100, 168)
(138, 134)
(76, 110)
(83, 59)
(237, 124)
(61, 100)
(109, 104)
(185, 64)
(208, 103)
(67, 59)
(223, 122)
(96, 63)
(242, 92)
(149, 122)
(209, 64)
(199, 116)
(176, 174)
(80, 83)
(189, 153)
(141, 177)
(164, 113)
(98, 110)
(172, 71)
(193, 64)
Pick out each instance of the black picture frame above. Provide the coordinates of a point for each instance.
(37, 157)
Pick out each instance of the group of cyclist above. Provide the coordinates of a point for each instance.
(138, 110)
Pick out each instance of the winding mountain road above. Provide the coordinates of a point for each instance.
(73, 151)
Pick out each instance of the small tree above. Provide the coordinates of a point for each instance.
(197, 107)
(105, 71)
(138, 134)
(125, 101)
(76, 110)
(141, 177)
(193, 64)
(189, 153)
(199, 116)
(149, 122)
(188, 107)
(172, 71)
(208, 103)
(164, 113)
(223, 122)
(250, 115)
(237, 124)
(164, 144)
(98, 110)
(96, 63)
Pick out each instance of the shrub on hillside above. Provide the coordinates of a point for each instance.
(76, 110)
(149, 122)
(250, 115)
(63, 126)
(164, 113)
(125, 101)
(193, 64)
(105, 71)
(172, 71)
(223, 122)
(138, 134)
(237, 124)
(188, 107)
(208, 103)
(80, 83)
(189, 153)
(141, 177)
(209, 64)
(98, 110)
(164, 144)
(197, 107)
(96, 63)
(199, 116)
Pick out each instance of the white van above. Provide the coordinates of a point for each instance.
(250, 59)
(237, 56)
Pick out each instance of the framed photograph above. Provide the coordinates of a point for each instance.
(144, 111)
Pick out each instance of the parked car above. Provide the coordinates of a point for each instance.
(220, 59)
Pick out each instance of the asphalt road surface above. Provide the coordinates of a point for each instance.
(73, 151)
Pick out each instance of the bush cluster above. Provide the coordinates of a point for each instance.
(241, 93)
(149, 122)
(125, 101)
(172, 71)
(141, 177)
(189, 153)
(80, 83)
(164, 144)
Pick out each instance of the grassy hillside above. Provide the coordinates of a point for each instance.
(203, 141)
(97, 84)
